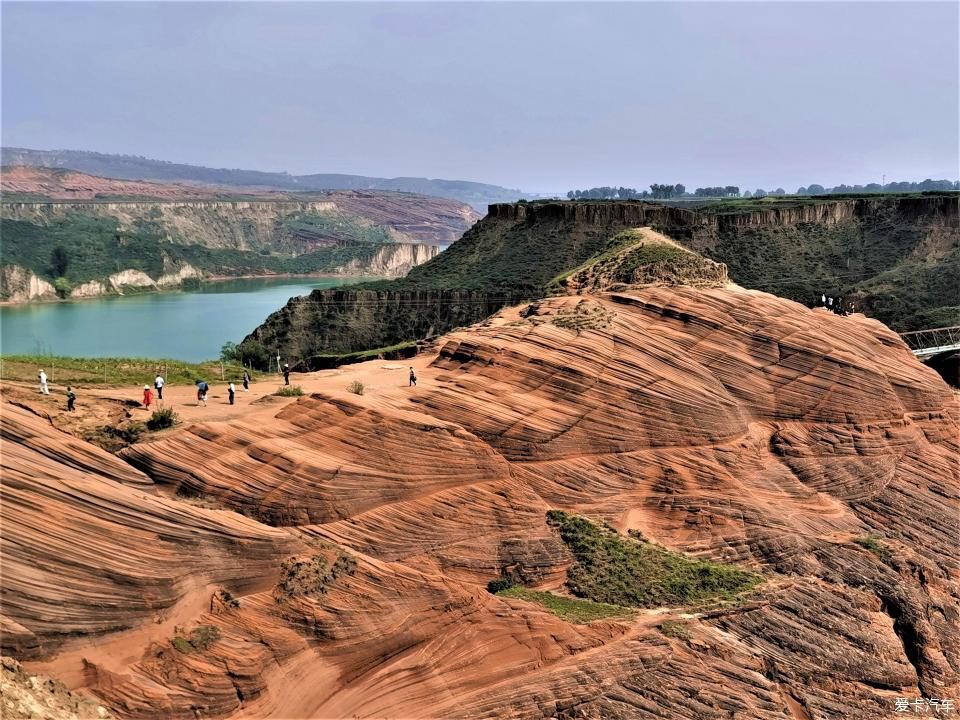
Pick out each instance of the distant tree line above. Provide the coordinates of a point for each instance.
(665, 192)
(891, 187)
(607, 192)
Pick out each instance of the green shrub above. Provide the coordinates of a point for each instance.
(62, 287)
(181, 644)
(674, 629)
(289, 391)
(874, 545)
(201, 638)
(204, 636)
(611, 568)
(162, 419)
(356, 387)
(499, 585)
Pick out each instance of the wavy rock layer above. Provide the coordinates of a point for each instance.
(730, 425)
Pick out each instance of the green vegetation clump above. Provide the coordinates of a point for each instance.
(311, 576)
(499, 585)
(201, 638)
(674, 629)
(873, 544)
(618, 570)
(62, 287)
(289, 391)
(356, 387)
(569, 609)
(162, 419)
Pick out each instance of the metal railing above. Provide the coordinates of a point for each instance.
(933, 340)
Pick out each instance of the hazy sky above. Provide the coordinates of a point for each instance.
(544, 97)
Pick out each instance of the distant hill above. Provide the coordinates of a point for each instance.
(132, 167)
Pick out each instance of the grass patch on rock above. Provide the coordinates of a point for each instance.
(874, 545)
(201, 638)
(617, 570)
(289, 391)
(573, 610)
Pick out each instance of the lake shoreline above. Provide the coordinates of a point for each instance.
(187, 325)
(170, 289)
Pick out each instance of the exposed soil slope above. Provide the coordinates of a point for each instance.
(728, 425)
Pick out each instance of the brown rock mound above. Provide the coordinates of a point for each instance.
(728, 425)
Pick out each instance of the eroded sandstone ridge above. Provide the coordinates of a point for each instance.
(345, 571)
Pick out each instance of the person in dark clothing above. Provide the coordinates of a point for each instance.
(246, 381)
(71, 399)
(286, 374)
(413, 378)
(202, 388)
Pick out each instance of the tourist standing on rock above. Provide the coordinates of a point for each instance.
(42, 378)
(158, 384)
(413, 377)
(286, 373)
(246, 381)
(71, 399)
(232, 391)
(147, 396)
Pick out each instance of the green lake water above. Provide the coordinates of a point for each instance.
(190, 326)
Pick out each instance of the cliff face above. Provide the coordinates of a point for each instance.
(885, 253)
(19, 285)
(392, 260)
(344, 570)
(355, 233)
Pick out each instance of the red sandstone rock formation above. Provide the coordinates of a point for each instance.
(725, 424)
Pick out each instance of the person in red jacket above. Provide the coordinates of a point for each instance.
(147, 396)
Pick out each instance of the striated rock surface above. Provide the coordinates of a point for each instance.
(724, 424)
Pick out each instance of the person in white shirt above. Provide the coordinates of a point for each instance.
(42, 377)
(158, 384)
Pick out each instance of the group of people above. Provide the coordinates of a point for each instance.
(835, 304)
(203, 387)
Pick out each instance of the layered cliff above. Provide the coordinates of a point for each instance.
(380, 234)
(330, 556)
(897, 257)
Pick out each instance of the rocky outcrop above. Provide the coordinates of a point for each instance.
(728, 425)
(392, 260)
(312, 328)
(131, 279)
(176, 277)
(19, 285)
(24, 696)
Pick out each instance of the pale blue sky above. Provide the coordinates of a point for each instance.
(538, 96)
